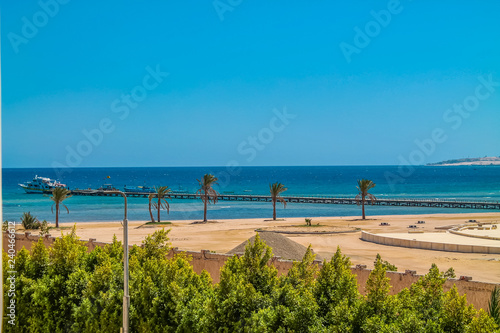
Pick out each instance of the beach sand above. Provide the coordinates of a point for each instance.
(223, 235)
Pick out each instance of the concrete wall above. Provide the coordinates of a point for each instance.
(458, 231)
(416, 244)
(478, 293)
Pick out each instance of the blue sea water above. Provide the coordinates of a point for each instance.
(464, 183)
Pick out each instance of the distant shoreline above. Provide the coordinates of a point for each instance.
(465, 164)
(481, 161)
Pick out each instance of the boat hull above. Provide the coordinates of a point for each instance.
(41, 185)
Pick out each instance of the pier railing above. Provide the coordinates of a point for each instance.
(324, 199)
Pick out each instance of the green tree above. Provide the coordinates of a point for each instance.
(49, 285)
(377, 288)
(427, 295)
(364, 185)
(59, 194)
(450, 273)
(66, 254)
(162, 194)
(457, 315)
(483, 323)
(39, 261)
(276, 189)
(66, 289)
(44, 228)
(336, 293)
(388, 266)
(246, 286)
(207, 193)
(303, 272)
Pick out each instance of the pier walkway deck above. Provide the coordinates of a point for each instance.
(402, 202)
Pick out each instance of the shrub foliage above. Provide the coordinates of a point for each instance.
(67, 289)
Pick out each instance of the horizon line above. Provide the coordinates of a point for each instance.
(239, 166)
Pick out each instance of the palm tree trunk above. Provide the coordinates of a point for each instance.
(150, 212)
(159, 207)
(363, 206)
(57, 214)
(205, 209)
(274, 210)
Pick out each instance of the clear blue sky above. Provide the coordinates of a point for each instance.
(229, 67)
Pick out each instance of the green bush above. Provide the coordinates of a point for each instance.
(44, 228)
(66, 289)
(30, 222)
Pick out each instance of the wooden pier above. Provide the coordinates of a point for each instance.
(401, 202)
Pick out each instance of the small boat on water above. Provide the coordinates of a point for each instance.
(42, 185)
(179, 190)
(139, 189)
(107, 187)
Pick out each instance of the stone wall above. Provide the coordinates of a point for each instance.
(478, 293)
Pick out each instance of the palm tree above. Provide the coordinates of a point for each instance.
(29, 221)
(276, 189)
(207, 193)
(364, 185)
(162, 193)
(150, 197)
(59, 194)
(494, 305)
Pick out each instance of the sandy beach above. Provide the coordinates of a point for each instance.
(223, 235)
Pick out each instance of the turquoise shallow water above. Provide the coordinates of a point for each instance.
(467, 183)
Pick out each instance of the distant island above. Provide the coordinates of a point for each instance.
(469, 161)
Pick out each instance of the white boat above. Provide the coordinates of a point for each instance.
(42, 185)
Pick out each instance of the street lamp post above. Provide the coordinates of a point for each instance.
(126, 296)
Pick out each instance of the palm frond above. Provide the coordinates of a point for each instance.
(371, 197)
(206, 191)
(164, 205)
(29, 221)
(364, 185)
(276, 189)
(59, 194)
(161, 191)
(494, 305)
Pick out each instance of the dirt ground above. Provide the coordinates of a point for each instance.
(223, 235)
